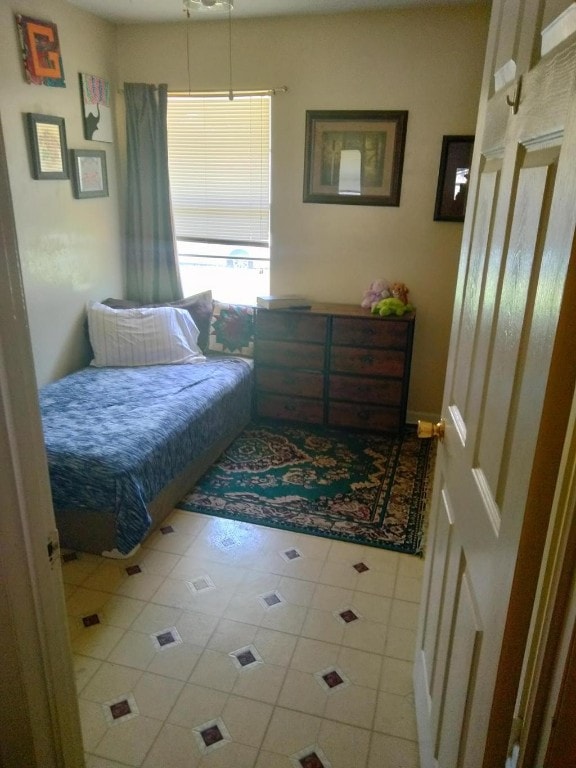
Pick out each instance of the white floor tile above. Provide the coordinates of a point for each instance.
(272, 710)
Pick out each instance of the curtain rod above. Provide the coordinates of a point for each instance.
(263, 92)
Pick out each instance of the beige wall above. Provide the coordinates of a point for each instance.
(426, 61)
(69, 249)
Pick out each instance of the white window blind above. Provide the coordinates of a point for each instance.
(219, 163)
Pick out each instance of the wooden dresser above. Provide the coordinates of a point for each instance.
(334, 364)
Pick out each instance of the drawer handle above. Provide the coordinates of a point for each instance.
(367, 359)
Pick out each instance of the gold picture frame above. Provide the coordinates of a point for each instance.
(354, 157)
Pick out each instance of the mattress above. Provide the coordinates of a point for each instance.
(116, 436)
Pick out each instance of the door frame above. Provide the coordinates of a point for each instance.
(553, 617)
(41, 727)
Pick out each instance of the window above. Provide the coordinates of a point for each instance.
(219, 163)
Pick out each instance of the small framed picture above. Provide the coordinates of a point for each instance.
(48, 153)
(89, 175)
(453, 178)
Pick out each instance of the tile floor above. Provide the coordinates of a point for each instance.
(231, 645)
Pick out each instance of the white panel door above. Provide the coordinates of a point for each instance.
(515, 262)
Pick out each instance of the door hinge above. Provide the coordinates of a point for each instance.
(53, 547)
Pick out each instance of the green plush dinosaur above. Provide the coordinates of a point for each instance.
(391, 306)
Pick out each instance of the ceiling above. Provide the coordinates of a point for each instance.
(155, 11)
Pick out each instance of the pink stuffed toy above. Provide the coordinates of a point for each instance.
(379, 289)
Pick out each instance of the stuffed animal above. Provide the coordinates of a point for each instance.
(379, 289)
(391, 306)
(399, 291)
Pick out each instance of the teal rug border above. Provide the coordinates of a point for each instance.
(413, 543)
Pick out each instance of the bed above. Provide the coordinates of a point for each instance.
(125, 443)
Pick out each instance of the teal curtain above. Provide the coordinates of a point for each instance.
(151, 258)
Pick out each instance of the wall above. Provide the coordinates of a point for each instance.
(70, 250)
(428, 61)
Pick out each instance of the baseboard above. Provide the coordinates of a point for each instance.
(413, 417)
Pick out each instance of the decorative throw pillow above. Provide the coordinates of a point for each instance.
(199, 306)
(142, 336)
(232, 329)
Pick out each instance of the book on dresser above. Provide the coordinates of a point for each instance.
(282, 302)
(333, 364)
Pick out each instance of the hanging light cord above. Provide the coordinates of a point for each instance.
(230, 91)
(188, 23)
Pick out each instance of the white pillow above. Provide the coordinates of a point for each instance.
(146, 336)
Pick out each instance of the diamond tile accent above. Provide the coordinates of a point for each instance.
(200, 584)
(211, 735)
(120, 709)
(361, 567)
(165, 529)
(90, 621)
(332, 679)
(133, 569)
(166, 638)
(246, 658)
(311, 757)
(271, 599)
(291, 554)
(347, 615)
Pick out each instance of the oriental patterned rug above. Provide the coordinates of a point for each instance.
(365, 488)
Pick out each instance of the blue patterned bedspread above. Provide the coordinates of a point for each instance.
(116, 436)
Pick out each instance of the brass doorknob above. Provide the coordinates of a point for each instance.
(426, 430)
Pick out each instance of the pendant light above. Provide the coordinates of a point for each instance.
(191, 6)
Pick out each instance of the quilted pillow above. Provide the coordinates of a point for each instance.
(199, 306)
(142, 336)
(232, 329)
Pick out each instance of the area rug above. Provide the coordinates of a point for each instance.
(360, 487)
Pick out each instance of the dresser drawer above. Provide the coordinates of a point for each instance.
(286, 354)
(291, 326)
(368, 362)
(371, 417)
(366, 332)
(290, 382)
(366, 390)
(292, 408)
(333, 364)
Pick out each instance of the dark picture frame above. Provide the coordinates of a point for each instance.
(354, 157)
(89, 173)
(453, 178)
(48, 153)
